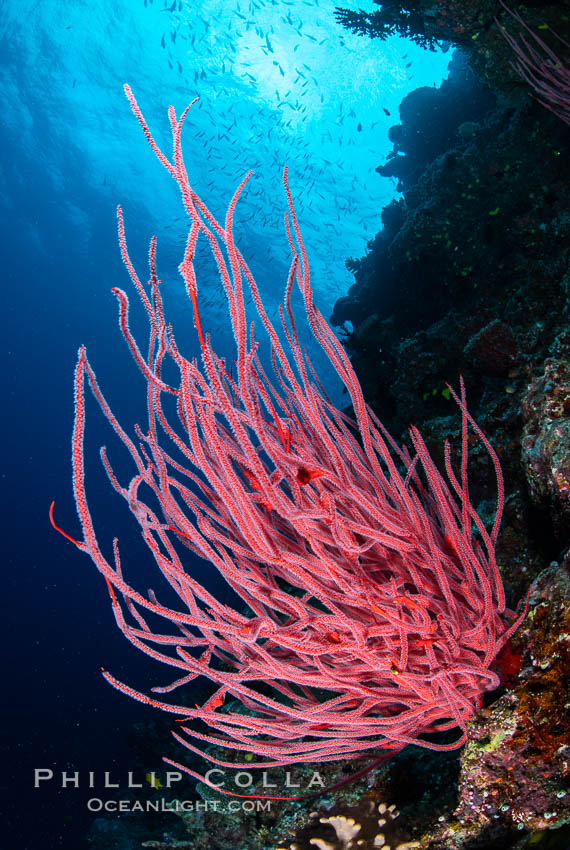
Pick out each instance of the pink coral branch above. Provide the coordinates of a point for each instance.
(370, 612)
(543, 70)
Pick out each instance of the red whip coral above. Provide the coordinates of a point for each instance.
(543, 70)
(372, 606)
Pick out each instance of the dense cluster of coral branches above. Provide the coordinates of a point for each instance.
(372, 607)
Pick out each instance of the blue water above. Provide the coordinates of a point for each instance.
(279, 83)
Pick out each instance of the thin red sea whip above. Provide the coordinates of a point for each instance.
(372, 607)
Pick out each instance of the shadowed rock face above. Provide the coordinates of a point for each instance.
(514, 770)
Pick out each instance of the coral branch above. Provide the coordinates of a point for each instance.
(543, 70)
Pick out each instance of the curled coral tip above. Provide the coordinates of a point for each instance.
(61, 531)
